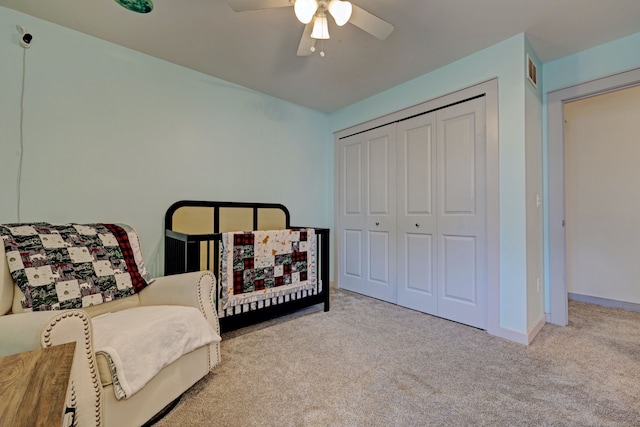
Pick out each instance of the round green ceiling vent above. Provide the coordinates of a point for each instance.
(140, 6)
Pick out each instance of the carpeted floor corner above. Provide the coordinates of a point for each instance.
(370, 363)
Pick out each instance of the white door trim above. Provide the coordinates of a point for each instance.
(559, 312)
(490, 90)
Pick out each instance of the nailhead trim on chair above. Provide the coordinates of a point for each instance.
(199, 289)
(73, 403)
(76, 420)
(88, 352)
(211, 296)
(202, 310)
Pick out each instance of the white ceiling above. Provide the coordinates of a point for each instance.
(257, 49)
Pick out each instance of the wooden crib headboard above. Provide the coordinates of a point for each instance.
(205, 217)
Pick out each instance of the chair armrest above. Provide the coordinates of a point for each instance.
(86, 391)
(195, 289)
(29, 331)
(22, 332)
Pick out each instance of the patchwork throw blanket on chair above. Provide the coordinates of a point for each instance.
(258, 265)
(72, 265)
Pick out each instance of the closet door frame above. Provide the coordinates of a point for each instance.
(488, 89)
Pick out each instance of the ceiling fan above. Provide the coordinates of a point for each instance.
(313, 13)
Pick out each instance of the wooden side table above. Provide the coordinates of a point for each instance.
(34, 385)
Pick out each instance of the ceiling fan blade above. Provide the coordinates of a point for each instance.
(306, 42)
(370, 23)
(244, 5)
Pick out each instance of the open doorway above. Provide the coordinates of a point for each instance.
(602, 201)
(558, 232)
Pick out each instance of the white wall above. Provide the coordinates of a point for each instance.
(112, 135)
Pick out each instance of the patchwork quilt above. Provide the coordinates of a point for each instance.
(72, 265)
(258, 265)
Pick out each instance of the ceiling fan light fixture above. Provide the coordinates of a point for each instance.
(305, 10)
(341, 11)
(320, 27)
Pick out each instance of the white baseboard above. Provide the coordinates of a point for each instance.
(536, 328)
(509, 334)
(605, 302)
(517, 336)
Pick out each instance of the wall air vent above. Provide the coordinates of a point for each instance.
(532, 71)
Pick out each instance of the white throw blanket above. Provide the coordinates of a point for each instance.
(139, 342)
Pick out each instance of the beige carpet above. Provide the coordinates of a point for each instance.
(370, 363)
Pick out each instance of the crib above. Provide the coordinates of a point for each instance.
(194, 233)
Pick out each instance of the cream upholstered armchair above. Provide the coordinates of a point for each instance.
(98, 398)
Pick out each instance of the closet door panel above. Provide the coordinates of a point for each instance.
(380, 182)
(352, 253)
(461, 213)
(379, 257)
(352, 233)
(459, 284)
(353, 196)
(416, 170)
(378, 176)
(416, 221)
(458, 177)
(367, 216)
(418, 263)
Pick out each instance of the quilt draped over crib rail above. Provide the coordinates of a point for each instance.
(259, 265)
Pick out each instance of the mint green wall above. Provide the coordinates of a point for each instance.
(504, 61)
(610, 58)
(113, 135)
(601, 61)
(533, 142)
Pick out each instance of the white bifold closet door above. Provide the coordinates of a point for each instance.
(441, 213)
(417, 217)
(417, 192)
(367, 213)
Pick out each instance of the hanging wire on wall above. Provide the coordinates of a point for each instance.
(25, 42)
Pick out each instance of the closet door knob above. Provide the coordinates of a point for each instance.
(377, 224)
(417, 225)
